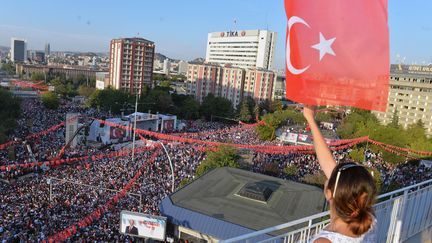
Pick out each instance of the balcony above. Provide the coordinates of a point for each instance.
(402, 216)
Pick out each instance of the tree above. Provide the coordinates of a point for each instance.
(291, 170)
(50, 100)
(416, 136)
(323, 117)
(37, 76)
(273, 121)
(265, 106)
(395, 119)
(245, 109)
(356, 120)
(10, 110)
(357, 154)
(257, 112)
(9, 68)
(109, 100)
(276, 105)
(216, 106)
(265, 132)
(63, 87)
(165, 84)
(224, 156)
(158, 100)
(189, 108)
(85, 90)
(245, 113)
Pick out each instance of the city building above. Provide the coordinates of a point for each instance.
(18, 51)
(182, 67)
(102, 80)
(157, 64)
(166, 66)
(279, 92)
(227, 202)
(70, 72)
(232, 83)
(36, 56)
(203, 79)
(47, 49)
(258, 84)
(243, 48)
(131, 64)
(410, 96)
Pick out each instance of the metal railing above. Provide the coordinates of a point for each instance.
(401, 214)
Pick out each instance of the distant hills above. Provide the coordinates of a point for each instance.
(161, 57)
(158, 56)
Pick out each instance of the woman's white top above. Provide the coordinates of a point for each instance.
(368, 237)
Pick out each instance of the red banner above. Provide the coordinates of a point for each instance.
(337, 53)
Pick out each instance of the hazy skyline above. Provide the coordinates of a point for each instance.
(179, 28)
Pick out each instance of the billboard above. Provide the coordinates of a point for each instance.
(168, 125)
(142, 225)
(117, 133)
(292, 137)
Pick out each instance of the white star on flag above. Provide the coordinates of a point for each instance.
(324, 46)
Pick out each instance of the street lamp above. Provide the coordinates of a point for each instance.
(134, 129)
(171, 165)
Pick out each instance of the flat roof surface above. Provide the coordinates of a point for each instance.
(215, 194)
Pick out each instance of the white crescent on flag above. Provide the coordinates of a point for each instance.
(293, 20)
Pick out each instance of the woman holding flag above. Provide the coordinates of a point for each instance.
(350, 191)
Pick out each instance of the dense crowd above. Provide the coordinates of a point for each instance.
(30, 213)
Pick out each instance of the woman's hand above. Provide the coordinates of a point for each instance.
(309, 112)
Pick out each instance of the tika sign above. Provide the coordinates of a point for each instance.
(142, 225)
(234, 33)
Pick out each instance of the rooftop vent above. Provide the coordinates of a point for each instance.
(256, 191)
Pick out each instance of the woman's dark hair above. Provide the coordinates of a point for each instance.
(354, 197)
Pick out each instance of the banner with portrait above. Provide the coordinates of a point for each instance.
(142, 225)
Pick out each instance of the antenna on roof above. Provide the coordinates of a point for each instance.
(235, 24)
(266, 19)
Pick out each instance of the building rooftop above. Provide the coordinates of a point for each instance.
(136, 39)
(227, 201)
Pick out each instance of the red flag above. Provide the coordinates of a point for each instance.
(337, 53)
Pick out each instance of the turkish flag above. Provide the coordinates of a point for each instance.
(337, 53)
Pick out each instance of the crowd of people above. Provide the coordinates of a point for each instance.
(32, 208)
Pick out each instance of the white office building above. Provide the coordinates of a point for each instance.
(242, 48)
(167, 66)
(182, 67)
(18, 51)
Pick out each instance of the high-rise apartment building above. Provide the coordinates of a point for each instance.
(232, 83)
(47, 49)
(18, 51)
(131, 64)
(203, 79)
(258, 84)
(243, 48)
(167, 66)
(410, 96)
